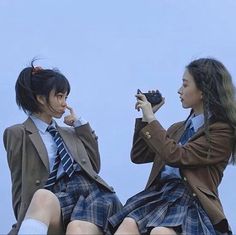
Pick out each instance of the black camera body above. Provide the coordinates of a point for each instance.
(153, 97)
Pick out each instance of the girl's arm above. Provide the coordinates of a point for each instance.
(196, 152)
(140, 152)
(87, 136)
(89, 139)
(12, 139)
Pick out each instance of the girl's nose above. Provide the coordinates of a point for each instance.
(180, 91)
(64, 103)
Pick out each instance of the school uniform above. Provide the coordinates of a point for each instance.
(31, 157)
(181, 191)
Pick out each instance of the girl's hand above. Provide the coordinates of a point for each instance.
(147, 109)
(71, 118)
(155, 108)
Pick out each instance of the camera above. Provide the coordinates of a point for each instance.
(153, 97)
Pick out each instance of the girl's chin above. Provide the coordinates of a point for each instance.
(58, 115)
(185, 106)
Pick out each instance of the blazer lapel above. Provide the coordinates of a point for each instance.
(177, 132)
(37, 141)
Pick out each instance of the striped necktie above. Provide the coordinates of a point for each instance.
(62, 156)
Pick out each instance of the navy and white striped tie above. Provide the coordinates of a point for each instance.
(62, 156)
(53, 175)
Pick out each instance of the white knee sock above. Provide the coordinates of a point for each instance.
(33, 226)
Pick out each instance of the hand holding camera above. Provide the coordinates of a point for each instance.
(153, 101)
(153, 97)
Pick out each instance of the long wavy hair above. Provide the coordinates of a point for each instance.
(219, 93)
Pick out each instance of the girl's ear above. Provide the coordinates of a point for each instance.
(41, 99)
(201, 95)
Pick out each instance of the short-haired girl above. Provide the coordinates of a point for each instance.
(54, 170)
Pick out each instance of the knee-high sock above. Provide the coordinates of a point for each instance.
(33, 226)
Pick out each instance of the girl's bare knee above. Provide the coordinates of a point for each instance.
(128, 226)
(45, 207)
(162, 231)
(44, 198)
(82, 227)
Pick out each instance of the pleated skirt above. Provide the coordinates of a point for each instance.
(81, 198)
(170, 204)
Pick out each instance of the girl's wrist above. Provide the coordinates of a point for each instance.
(80, 122)
(149, 119)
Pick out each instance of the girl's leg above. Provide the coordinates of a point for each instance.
(44, 209)
(128, 226)
(82, 227)
(162, 231)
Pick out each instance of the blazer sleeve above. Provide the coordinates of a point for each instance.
(197, 152)
(12, 139)
(140, 152)
(90, 141)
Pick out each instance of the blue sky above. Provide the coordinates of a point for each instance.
(108, 49)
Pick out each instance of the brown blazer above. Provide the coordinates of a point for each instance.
(29, 165)
(200, 167)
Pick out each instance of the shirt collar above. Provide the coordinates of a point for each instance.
(195, 121)
(41, 125)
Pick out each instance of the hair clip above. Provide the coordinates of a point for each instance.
(36, 70)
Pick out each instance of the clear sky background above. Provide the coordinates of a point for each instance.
(108, 49)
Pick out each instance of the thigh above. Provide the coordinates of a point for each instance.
(128, 226)
(45, 207)
(163, 231)
(83, 227)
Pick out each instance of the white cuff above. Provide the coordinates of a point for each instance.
(80, 122)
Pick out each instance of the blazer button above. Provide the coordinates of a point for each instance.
(185, 179)
(194, 195)
(37, 182)
(83, 161)
(148, 136)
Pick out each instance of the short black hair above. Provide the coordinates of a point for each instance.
(33, 81)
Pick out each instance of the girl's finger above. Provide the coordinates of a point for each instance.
(70, 109)
(141, 97)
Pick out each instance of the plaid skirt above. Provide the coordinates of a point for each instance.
(170, 204)
(81, 198)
